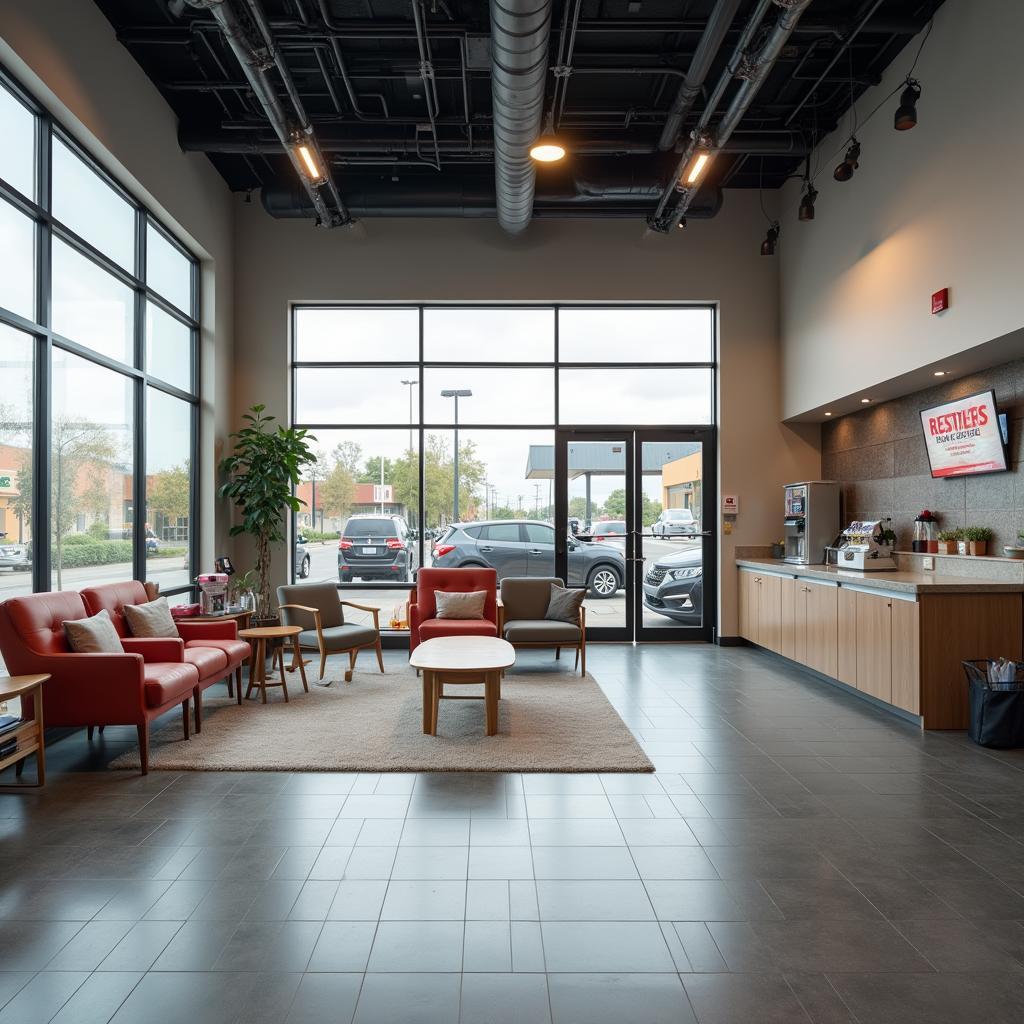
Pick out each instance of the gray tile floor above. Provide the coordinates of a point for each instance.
(799, 856)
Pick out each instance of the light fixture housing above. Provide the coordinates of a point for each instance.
(547, 149)
(695, 169)
(771, 239)
(844, 171)
(905, 117)
(807, 203)
(308, 161)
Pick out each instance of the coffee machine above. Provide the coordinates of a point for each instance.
(812, 520)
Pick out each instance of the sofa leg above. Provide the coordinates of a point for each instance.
(101, 728)
(238, 684)
(197, 698)
(143, 731)
(558, 654)
(184, 718)
(89, 731)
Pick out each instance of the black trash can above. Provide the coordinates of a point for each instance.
(996, 708)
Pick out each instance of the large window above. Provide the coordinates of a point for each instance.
(98, 392)
(435, 428)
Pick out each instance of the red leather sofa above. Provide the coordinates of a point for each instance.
(213, 648)
(133, 688)
(423, 623)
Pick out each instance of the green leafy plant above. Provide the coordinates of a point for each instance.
(951, 536)
(242, 583)
(261, 473)
(977, 534)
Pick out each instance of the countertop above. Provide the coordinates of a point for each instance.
(895, 582)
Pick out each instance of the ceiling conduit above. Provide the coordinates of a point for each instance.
(519, 67)
(709, 45)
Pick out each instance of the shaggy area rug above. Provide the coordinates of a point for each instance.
(547, 722)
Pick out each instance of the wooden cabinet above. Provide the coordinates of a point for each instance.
(769, 612)
(748, 605)
(846, 654)
(906, 655)
(874, 645)
(788, 619)
(821, 625)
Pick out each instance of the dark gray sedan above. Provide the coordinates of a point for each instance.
(674, 586)
(522, 547)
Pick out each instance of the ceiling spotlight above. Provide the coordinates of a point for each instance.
(905, 117)
(547, 150)
(939, 373)
(807, 203)
(844, 171)
(864, 401)
(828, 414)
(770, 240)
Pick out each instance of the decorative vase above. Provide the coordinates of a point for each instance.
(247, 601)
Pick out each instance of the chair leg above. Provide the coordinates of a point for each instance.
(101, 728)
(197, 700)
(558, 654)
(184, 718)
(583, 658)
(323, 662)
(351, 664)
(143, 731)
(380, 655)
(299, 663)
(576, 660)
(88, 732)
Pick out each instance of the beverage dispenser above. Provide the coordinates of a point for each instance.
(811, 521)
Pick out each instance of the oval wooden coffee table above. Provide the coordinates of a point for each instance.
(462, 659)
(259, 636)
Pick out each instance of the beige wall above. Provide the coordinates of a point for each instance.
(938, 206)
(608, 261)
(66, 54)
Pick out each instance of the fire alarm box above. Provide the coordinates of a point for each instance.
(940, 300)
(730, 504)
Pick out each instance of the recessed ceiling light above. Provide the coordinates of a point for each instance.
(939, 373)
(828, 414)
(864, 401)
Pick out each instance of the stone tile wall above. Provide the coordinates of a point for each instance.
(879, 456)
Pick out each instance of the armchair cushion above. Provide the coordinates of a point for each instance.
(150, 620)
(322, 596)
(564, 605)
(460, 604)
(164, 648)
(431, 628)
(236, 651)
(93, 635)
(166, 683)
(527, 597)
(209, 661)
(541, 631)
(340, 638)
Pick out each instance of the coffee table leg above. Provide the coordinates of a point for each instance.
(435, 702)
(491, 701)
(301, 663)
(280, 661)
(254, 676)
(262, 669)
(428, 701)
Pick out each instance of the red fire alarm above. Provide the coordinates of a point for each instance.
(940, 300)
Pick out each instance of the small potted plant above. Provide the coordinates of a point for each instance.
(949, 541)
(977, 538)
(778, 548)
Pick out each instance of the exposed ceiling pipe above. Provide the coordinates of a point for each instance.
(709, 45)
(255, 66)
(520, 30)
(758, 66)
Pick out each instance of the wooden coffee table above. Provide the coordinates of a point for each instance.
(259, 637)
(462, 659)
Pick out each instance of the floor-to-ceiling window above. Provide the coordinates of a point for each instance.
(435, 429)
(98, 383)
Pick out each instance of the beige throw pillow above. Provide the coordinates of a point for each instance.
(460, 605)
(564, 605)
(95, 635)
(152, 619)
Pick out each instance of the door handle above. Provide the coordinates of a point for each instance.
(486, 549)
(535, 551)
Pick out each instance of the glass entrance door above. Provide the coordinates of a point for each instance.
(634, 511)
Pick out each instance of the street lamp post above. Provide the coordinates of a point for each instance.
(410, 384)
(456, 393)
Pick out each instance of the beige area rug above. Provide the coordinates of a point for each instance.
(548, 722)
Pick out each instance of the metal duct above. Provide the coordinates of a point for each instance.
(519, 67)
(709, 45)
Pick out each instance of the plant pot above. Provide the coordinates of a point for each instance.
(948, 547)
(1013, 552)
(978, 547)
(778, 551)
(961, 547)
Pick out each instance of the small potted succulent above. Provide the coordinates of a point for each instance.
(1015, 550)
(778, 548)
(949, 541)
(977, 538)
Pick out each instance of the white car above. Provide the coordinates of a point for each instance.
(675, 522)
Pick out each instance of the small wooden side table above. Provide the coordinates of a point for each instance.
(30, 733)
(259, 636)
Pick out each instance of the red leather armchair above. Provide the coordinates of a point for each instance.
(212, 647)
(133, 688)
(423, 624)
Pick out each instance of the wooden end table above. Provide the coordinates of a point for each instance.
(259, 637)
(462, 659)
(30, 733)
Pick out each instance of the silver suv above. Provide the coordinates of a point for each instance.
(675, 522)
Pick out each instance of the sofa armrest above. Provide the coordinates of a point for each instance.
(155, 649)
(226, 630)
(93, 688)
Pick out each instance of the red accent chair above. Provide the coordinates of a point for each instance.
(133, 688)
(212, 647)
(423, 624)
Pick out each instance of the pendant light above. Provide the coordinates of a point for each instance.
(770, 239)
(905, 117)
(844, 171)
(806, 211)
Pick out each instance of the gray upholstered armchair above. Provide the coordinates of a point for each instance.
(522, 606)
(321, 613)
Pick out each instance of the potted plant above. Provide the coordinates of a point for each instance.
(949, 541)
(242, 590)
(261, 474)
(977, 538)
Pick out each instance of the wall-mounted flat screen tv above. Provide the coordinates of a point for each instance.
(966, 436)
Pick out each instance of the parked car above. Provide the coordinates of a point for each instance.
(376, 548)
(674, 586)
(16, 557)
(301, 562)
(611, 531)
(675, 522)
(522, 547)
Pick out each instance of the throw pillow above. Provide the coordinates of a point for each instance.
(153, 619)
(461, 604)
(95, 635)
(564, 605)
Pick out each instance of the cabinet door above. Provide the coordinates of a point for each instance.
(906, 661)
(822, 629)
(789, 589)
(748, 603)
(846, 661)
(874, 645)
(769, 612)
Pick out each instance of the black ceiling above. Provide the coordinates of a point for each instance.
(365, 97)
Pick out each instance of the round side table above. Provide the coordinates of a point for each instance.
(259, 637)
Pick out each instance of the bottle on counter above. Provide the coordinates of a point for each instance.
(926, 534)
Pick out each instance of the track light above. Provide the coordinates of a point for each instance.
(770, 239)
(807, 203)
(308, 159)
(844, 171)
(905, 117)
